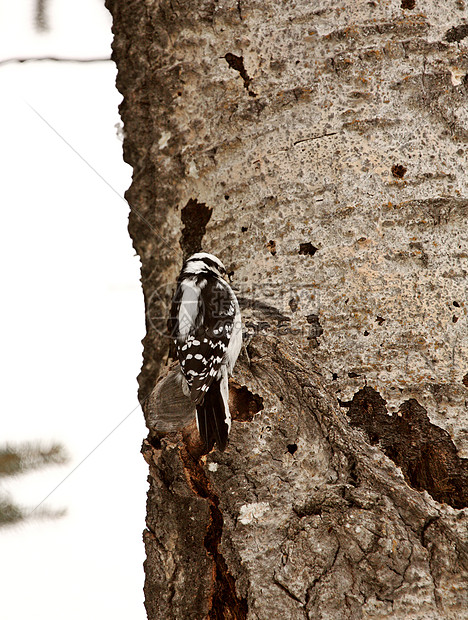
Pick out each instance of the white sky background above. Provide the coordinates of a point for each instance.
(72, 321)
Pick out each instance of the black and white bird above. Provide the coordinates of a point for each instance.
(206, 325)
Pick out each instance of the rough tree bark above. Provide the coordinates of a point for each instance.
(319, 149)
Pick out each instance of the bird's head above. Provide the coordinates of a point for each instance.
(202, 262)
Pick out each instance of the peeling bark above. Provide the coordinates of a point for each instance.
(320, 152)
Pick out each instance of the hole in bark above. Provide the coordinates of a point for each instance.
(465, 380)
(454, 319)
(237, 63)
(426, 454)
(292, 447)
(316, 330)
(456, 304)
(366, 333)
(244, 228)
(380, 320)
(195, 216)
(242, 403)
(271, 246)
(155, 442)
(353, 472)
(307, 249)
(335, 376)
(457, 33)
(398, 171)
(226, 197)
(353, 375)
(408, 4)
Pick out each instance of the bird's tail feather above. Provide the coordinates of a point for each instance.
(213, 419)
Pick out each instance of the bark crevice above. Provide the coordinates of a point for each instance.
(224, 602)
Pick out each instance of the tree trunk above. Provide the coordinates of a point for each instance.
(319, 149)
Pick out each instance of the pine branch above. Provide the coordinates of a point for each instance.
(24, 457)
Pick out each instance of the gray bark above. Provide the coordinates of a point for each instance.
(320, 151)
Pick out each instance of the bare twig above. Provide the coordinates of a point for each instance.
(7, 61)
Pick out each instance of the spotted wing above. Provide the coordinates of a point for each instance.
(203, 351)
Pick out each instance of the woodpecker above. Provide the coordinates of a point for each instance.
(206, 326)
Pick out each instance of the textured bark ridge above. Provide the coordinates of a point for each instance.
(300, 517)
(320, 151)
